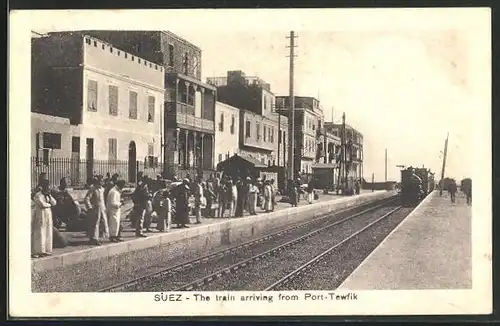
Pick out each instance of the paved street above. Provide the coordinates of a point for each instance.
(431, 249)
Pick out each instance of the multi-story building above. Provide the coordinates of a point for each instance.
(227, 131)
(308, 128)
(354, 147)
(189, 119)
(260, 125)
(113, 96)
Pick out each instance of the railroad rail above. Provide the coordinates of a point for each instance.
(276, 250)
(221, 253)
(310, 264)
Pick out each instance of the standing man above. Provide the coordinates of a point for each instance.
(210, 196)
(181, 194)
(113, 206)
(452, 189)
(140, 198)
(198, 195)
(94, 200)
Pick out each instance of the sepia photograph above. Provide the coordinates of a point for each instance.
(191, 163)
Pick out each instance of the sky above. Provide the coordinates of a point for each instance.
(404, 91)
(404, 78)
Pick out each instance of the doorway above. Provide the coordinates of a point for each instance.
(132, 162)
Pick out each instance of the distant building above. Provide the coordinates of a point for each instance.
(54, 134)
(259, 123)
(227, 131)
(354, 142)
(189, 119)
(309, 120)
(113, 96)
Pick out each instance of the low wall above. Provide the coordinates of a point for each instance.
(389, 185)
(92, 269)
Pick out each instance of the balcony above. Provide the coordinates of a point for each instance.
(182, 116)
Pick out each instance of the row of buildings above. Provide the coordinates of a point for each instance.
(137, 96)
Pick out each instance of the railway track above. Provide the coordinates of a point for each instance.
(208, 268)
(304, 268)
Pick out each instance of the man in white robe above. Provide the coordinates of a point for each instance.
(41, 226)
(113, 208)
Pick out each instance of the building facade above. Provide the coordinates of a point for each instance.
(113, 96)
(54, 134)
(189, 119)
(227, 132)
(354, 147)
(260, 125)
(308, 132)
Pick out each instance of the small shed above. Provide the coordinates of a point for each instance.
(324, 175)
(242, 166)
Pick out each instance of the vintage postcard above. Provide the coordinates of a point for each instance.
(250, 162)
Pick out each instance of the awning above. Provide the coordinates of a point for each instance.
(242, 159)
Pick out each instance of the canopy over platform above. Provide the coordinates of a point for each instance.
(240, 165)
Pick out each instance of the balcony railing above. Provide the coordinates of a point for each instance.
(183, 115)
(189, 120)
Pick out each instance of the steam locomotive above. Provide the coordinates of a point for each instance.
(416, 184)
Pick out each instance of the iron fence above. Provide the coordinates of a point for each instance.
(79, 171)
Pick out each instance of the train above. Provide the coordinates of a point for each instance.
(416, 184)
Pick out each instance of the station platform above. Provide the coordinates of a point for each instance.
(429, 250)
(80, 267)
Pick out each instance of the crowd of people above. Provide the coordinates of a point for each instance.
(161, 201)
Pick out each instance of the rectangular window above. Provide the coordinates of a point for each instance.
(151, 150)
(75, 144)
(248, 127)
(220, 158)
(171, 55)
(151, 108)
(232, 125)
(221, 122)
(51, 140)
(271, 135)
(258, 130)
(265, 132)
(92, 95)
(132, 105)
(113, 150)
(113, 100)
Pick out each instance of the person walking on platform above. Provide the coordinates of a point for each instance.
(268, 194)
(253, 192)
(467, 190)
(210, 197)
(240, 201)
(234, 198)
(273, 195)
(140, 199)
(310, 192)
(452, 189)
(113, 206)
(198, 197)
(165, 212)
(293, 193)
(357, 187)
(96, 212)
(181, 193)
(222, 198)
(41, 224)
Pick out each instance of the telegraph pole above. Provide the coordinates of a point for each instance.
(444, 164)
(291, 119)
(386, 165)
